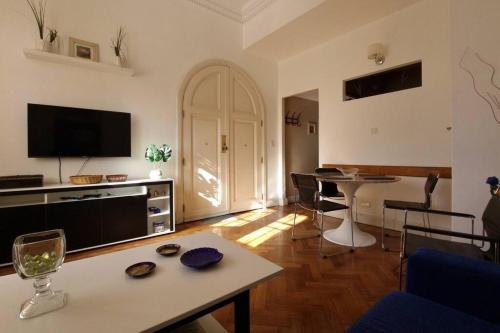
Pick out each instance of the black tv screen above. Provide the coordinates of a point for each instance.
(55, 131)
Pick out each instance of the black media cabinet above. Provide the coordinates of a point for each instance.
(90, 215)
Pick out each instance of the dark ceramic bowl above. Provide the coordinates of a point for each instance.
(201, 257)
(168, 249)
(141, 269)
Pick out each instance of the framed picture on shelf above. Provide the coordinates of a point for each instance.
(82, 49)
(311, 128)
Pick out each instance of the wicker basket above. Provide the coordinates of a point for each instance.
(116, 178)
(85, 179)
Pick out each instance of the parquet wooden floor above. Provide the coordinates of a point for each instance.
(312, 294)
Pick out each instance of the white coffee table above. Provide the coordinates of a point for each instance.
(102, 298)
(349, 185)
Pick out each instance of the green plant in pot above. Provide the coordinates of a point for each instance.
(156, 156)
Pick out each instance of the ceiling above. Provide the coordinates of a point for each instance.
(236, 10)
(234, 5)
(326, 21)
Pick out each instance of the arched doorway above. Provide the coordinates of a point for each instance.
(221, 141)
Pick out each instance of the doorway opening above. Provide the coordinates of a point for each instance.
(300, 137)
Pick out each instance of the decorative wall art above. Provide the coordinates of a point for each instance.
(82, 49)
(311, 128)
(482, 74)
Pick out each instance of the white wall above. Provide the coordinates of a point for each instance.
(411, 124)
(476, 135)
(165, 40)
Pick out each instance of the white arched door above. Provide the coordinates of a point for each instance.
(221, 143)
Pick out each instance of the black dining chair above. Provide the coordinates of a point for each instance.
(423, 207)
(330, 189)
(307, 197)
(491, 221)
(411, 242)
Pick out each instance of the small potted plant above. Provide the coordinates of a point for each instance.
(38, 9)
(157, 156)
(494, 185)
(117, 45)
(53, 41)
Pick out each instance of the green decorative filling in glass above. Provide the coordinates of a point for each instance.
(40, 263)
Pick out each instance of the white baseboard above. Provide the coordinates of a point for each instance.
(273, 203)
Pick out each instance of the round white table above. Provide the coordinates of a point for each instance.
(349, 185)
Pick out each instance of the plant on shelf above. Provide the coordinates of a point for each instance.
(117, 44)
(494, 185)
(157, 156)
(53, 38)
(38, 9)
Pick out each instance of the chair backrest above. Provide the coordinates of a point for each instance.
(430, 185)
(327, 170)
(491, 217)
(307, 189)
(329, 189)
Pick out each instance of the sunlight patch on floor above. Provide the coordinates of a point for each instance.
(259, 236)
(243, 219)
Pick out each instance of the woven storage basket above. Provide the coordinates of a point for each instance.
(116, 178)
(85, 179)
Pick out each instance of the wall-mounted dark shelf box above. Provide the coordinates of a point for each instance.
(395, 79)
(21, 181)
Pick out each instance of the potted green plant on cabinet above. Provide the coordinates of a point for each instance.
(156, 156)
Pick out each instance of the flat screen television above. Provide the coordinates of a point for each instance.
(55, 131)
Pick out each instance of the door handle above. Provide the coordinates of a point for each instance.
(224, 144)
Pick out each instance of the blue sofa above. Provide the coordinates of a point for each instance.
(444, 293)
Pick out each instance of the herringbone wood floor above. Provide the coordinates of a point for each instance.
(312, 294)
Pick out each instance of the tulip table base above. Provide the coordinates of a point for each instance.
(342, 235)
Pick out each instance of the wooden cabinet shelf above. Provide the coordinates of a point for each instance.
(76, 62)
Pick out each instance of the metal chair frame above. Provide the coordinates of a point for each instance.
(424, 213)
(355, 200)
(472, 237)
(320, 227)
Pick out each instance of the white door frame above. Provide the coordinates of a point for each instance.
(180, 129)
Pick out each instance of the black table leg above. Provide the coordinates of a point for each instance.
(242, 312)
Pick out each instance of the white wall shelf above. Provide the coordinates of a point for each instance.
(160, 214)
(163, 197)
(76, 62)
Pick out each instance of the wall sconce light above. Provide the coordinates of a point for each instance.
(376, 52)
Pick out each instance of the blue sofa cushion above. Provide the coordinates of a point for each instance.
(405, 313)
(465, 284)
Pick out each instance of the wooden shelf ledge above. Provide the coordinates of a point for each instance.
(403, 171)
(76, 62)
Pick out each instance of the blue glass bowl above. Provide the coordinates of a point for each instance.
(201, 257)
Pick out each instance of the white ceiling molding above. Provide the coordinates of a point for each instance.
(249, 10)
(219, 9)
(254, 7)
